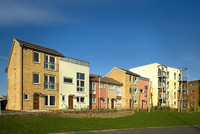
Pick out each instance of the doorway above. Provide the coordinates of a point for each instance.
(70, 101)
(35, 101)
(130, 104)
(112, 104)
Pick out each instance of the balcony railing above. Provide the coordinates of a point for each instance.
(184, 78)
(160, 84)
(162, 73)
(164, 96)
(50, 66)
(50, 86)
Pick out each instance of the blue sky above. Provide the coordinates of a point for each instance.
(106, 33)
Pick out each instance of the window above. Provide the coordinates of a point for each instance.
(192, 104)
(36, 78)
(92, 100)
(146, 102)
(134, 92)
(135, 101)
(127, 101)
(50, 100)
(50, 62)
(192, 97)
(26, 96)
(49, 82)
(118, 91)
(192, 84)
(80, 99)
(63, 98)
(130, 90)
(118, 101)
(80, 82)
(174, 85)
(146, 92)
(174, 95)
(167, 75)
(108, 100)
(92, 88)
(185, 104)
(192, 91)
(68, 80)
(174, 76)
(141, 91)
(135, 81)
(174, 103)
(104, 101)
(101, 86)
(36, 57)
(168, 95)
(130, 78)
(168, 85)
(111, 87)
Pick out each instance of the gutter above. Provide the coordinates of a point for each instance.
(21, 76)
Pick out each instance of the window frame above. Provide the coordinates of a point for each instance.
(48, 82)
(78, 83)
(49, 101)
(135, 102)
(68, 82)
(118, 93)
(64, 98)
(91, 100)
(27, 96)
(80, 99)
(174, 76)
(48, 62)
(38, 78)
(174, 95)
(146, 102)
(38, 57)
(101, 85)
(174, 85)
(111, 88)
(146, 91)
(118, 101)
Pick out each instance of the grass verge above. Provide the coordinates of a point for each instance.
(41, 125)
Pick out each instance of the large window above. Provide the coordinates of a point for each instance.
(80, 82)
(92, 100)
(49, 100)
(36, 57)
(174, 76)
(174, 95)
(80, 99)
(130, 78)
(168, 95)
(36, 78)
(49, 82)
(118, 101)
(146, 92)
(50, 62)
(92, 88)
(168, 85)
(135, 81)
(134, 92)
(68, 80)
(118, 91)
(167, 75)
(174, 85)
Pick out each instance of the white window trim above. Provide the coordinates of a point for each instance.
(111, 86)
(48, 81)
(80, 83)
(27, 96)
(49, 62)
(33, 78)
(135, 102)
(94, 88)
(146, 95)
(174, 103)
(119, 92)
(100, 86)
(92, 100)
(68, 82)
(38, 56)
(49, 101)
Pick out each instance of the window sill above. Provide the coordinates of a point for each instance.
(36, 83)
(50, 90)
(50, 106)
(81, 92)
(68, 83)
(51, 70)
(26, 100)
(36, 62)
(81, 102)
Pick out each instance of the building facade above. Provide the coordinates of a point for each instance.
(32, 77)
(165, 83)
(129, 90)
(144, 92)
(74, 83)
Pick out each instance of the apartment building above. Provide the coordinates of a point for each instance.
(129, 90)
(165, 83)
(194, 90)
(73, 83)
(144, 86)
(105, 92)
(32, 77)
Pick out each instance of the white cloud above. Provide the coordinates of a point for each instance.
(2, 57)
(14, 12)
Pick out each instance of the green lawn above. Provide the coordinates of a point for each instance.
(58, 124)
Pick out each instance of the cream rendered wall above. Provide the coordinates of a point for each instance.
(70, 70)
(171, 89)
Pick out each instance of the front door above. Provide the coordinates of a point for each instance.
(70, 102)
(112, 104)
(130, 104)
(35, 101)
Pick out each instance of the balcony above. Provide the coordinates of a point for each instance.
(161, 84)
(184, 78)
(50, 66)
(162, 74)
(50, 86)
(184, 98)
(164, 96)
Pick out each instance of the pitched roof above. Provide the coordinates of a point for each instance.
(128, 72)
(94, 77)
(38, 47)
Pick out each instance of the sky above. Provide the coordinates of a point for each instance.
(106, 33)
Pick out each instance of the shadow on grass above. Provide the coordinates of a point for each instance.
(195, 127)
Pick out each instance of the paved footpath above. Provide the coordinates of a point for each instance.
(155, 130)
